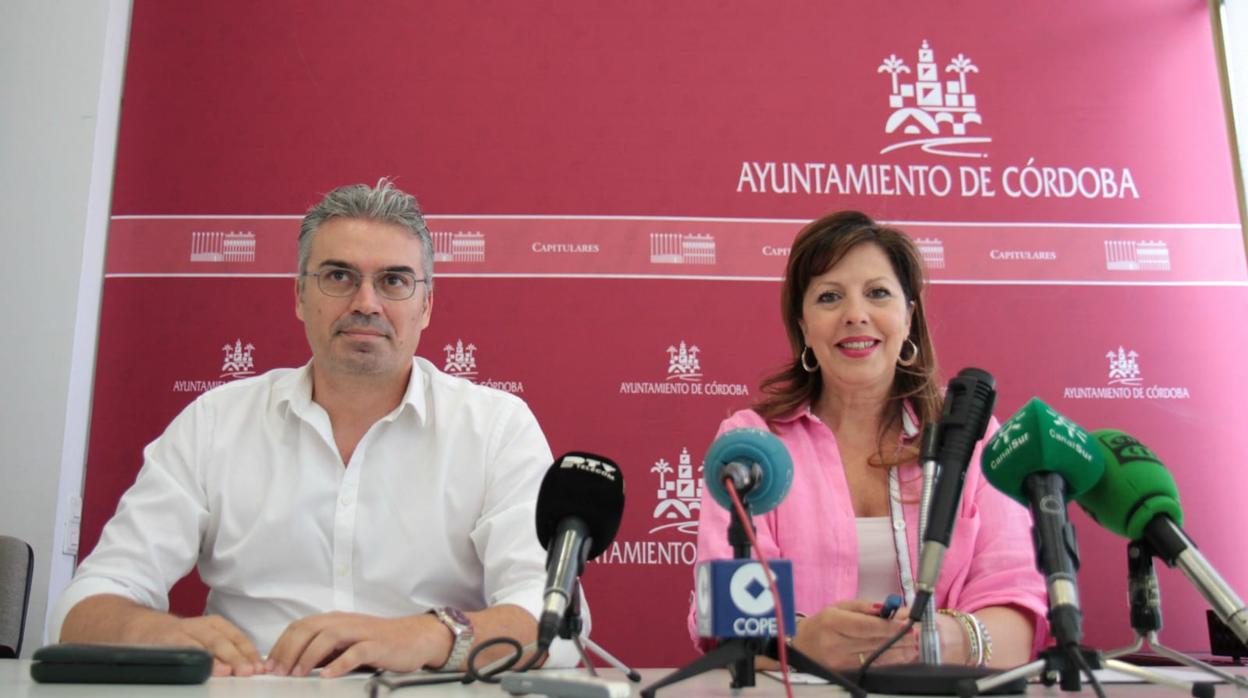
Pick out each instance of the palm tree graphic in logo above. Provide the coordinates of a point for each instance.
(893, 65)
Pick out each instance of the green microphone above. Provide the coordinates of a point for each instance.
(1137, 499)
(1040, 458)
(1136, 487)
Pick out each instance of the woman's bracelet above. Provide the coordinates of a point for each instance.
(976, 635)
(985, 640)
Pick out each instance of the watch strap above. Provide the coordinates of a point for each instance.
(462, 632)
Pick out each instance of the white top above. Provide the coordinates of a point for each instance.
(435, 508)
(877, 559)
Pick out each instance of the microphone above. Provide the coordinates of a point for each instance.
(1041, 459)
(964, 419)
(759, 465)
(732, 596)
(1138, 499)
(579, 507)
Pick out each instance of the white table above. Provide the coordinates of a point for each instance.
(15, 682)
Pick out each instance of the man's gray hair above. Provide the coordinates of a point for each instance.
(383, 203)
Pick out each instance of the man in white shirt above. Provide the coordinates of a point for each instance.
(365, 509)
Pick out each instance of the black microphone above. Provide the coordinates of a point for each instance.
(579, 507)
(963, 421)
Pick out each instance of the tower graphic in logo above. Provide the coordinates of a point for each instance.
(939, 112)
(460, 360)
(1124, 369)
(238, 361)
(932, 250)
(223, 246)
(680, 497)
(682, 248)
(462, 246)
(682, 363)
(1133, 255)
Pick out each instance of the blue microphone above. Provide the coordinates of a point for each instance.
(732, 596)
(758, 463)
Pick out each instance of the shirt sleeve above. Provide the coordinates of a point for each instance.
(1003, 566)
(505, 537)
(153, 539)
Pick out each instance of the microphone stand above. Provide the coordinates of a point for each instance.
(929, 675)
(1057, 665)
(929, 639)
(570, 629)
(1063, 663)
(1146, 615)
(739, 653)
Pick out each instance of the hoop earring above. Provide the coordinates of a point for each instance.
(813, 365)
(914, 354)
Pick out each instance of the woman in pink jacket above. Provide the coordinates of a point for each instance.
(849, 407)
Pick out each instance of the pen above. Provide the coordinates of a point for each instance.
(891, 604)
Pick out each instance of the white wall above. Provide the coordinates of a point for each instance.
(60, 79)
(1235, 37)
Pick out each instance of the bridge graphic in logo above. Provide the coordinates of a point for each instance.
(682, 248)
(940, 113)
(459, 246)
(1137, 255)
(223, 246)
(932, 250)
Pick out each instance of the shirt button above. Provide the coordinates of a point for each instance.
(344, 499)
(343, 570)
(899, 525)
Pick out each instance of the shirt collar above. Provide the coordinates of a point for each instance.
(295, 391)
(909, 419)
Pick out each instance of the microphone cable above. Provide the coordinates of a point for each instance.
(489, 673)
(862, 671)
(748, 525)
(1075, 654)
(471, 673)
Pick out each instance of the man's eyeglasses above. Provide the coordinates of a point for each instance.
(341, 282)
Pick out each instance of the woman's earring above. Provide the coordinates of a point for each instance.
(914, 354)
(812, 365)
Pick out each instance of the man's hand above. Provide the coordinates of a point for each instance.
(112, 619)
(350, 640)
(844, 634)
(233, 654)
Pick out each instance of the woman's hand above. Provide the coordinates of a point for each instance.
(844, 634)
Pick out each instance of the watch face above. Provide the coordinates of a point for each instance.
(457, 616)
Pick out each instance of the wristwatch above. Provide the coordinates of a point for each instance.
(461, 628)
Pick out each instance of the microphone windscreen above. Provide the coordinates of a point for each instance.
(1038, 440)
(1136, 487)
(747, 447)
(586, 486)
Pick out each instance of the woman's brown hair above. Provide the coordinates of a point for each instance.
(818, 247)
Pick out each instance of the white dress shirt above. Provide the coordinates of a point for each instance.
(436, 507)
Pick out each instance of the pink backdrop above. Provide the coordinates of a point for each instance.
(609, 183)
